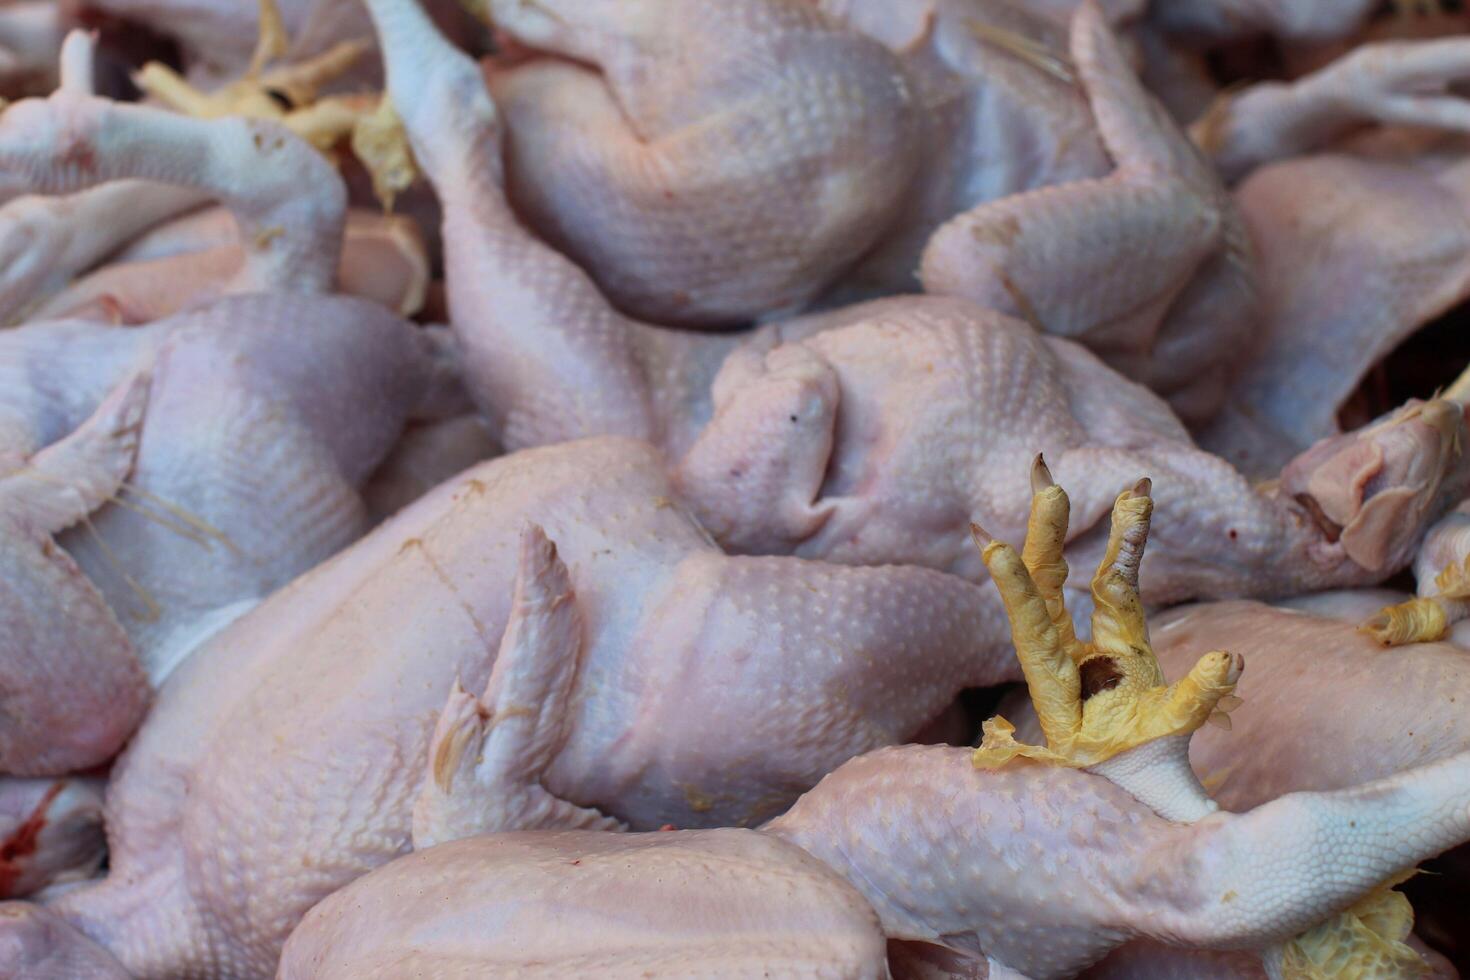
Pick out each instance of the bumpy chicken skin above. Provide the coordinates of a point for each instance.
(74, 689)
(249, 460)
(50, 833)
(876, 432)
(707, 694)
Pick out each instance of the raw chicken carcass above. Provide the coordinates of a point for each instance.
(283, 759)
(875, 433)
(288, 203)
(250, 457)
(282, 225)
(250, 454)
(1358, 249)
(707, 160)
(906, 843)
(74, 689)
(50, 833)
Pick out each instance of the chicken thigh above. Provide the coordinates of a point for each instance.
(707, 160)
(73, 688)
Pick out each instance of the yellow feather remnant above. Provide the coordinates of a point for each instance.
(1365, 942)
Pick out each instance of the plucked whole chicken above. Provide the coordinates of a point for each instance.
(919, 489)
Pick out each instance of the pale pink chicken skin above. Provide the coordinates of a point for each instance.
(30, 38)
(250, 457)
(993, 122)
(698, 185)
(1358, 250)
(134, 210)
(1285, 737)
(288, 203)
(74, 689)
(1027, 196)
(1389, 710)
(1036, 871)
(48, 241)
(712, 690)
(761, 429)
(1148, 262)
(984, 123)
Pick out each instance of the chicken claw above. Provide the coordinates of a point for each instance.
(289, 95)
(1426, 618)
(1098, 699)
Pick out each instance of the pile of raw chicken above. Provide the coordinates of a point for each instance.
(529, 489)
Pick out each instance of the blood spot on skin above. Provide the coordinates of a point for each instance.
(1099, 674)
(1234, 534)
(82, 155)
(24, 841)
